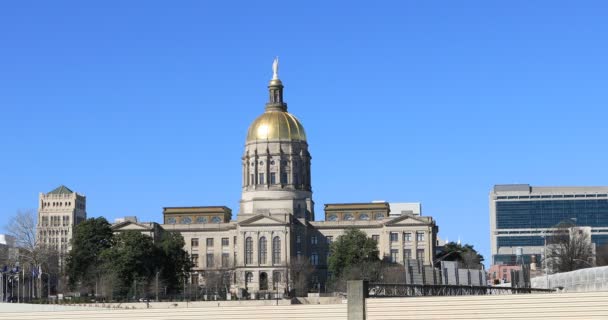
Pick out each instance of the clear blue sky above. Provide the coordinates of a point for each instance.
(145, 104)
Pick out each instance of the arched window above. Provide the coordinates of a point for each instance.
(379, 216)
(248, 250)
(276, 250)
(332, 217)
(364, 216)
(263, 281)
(348, 217)
(262, 251)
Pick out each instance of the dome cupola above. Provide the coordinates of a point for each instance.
(276, 123)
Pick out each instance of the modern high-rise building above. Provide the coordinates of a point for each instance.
(521, 216)
(58, 212)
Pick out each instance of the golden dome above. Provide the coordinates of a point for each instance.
(276, 125)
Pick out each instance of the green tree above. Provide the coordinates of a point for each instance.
(131, 262)
(174, 262)
(89, 239)
(465, 254)
(353, 250)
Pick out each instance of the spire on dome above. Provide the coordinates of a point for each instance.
(275, 68)
(275, 88)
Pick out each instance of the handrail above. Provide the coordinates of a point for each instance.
(377, 290)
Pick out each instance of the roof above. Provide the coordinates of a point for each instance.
(528, 189)
(205, 209)
(61, 190)
(354, 206)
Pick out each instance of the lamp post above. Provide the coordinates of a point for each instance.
(157, 273)
(48, 284)
(2, 285)
(545, 258)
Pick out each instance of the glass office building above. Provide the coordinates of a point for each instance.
(521, 215)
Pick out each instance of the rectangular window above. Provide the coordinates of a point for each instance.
(394, 237)
(194, 242)
(376, 238)
(329, 239)
(314, 259)
(209, 243)
(225, 242)
(194, 279)
(283, 178)
(273, 178)
(210, 260)
(225, 259)
(420, 254)
(313, 239)
(394, 254)
(407, 254)
(261, 179)
(298, 238)
(407, 237)
(248, 250)
(419, 236)
(195, 260)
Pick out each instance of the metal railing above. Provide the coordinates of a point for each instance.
(381, 290)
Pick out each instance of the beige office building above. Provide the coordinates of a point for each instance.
(58, 212)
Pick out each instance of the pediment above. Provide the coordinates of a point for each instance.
(130, 225)
(407, 219)
(262, 219)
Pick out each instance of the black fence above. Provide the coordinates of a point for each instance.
(385, 290)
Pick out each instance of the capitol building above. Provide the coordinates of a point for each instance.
(275, 227)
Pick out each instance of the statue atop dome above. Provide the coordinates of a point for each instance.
(275, 69)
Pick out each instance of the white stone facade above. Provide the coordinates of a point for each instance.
(275, 224)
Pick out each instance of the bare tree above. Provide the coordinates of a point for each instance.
(22, 226)
(32, 254)
(569, 248)
(300, 271)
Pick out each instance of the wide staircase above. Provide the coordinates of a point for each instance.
(589, 305)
